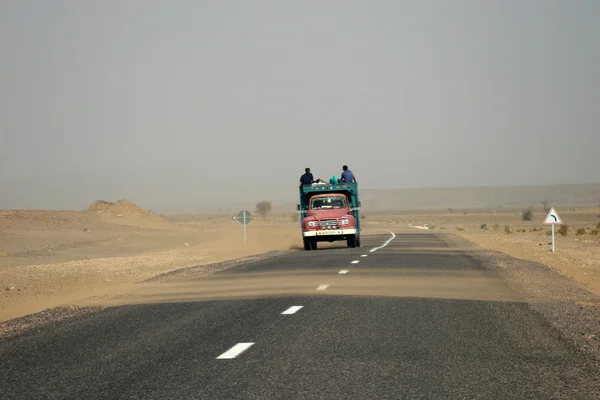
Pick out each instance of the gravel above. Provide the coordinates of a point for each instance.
(30, 323)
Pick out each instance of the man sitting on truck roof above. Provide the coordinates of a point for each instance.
(347, 175)
(307, 178)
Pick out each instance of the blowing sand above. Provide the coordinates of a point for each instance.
(472, 285)
(53, 258)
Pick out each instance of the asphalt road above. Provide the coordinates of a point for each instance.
(336, 341)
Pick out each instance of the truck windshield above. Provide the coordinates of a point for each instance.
(322, 203)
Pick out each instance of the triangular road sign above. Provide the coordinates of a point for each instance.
(552, 218)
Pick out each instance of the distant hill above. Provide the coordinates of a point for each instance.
(120, 208)
(567, 195)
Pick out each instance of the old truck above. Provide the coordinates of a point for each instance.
(328, 213)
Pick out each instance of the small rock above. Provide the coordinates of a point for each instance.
(186, 244)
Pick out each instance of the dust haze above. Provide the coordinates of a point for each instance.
(361, 282)
(183, 106)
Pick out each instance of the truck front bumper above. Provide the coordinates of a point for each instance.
(330, 232)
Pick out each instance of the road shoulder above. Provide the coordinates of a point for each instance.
(568, 307)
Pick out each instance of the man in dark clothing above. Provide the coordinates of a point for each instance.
(347, 175)
(307, 178)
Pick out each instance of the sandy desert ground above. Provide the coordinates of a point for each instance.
(56, 258)
(50, 258)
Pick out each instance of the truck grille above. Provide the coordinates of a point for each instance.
(328, 222)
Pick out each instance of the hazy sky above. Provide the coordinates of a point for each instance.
(176, 105)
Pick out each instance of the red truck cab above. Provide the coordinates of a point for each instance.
(330, 214)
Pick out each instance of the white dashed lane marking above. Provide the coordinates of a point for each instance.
(242, 347)
(292, 310)
(235, 351)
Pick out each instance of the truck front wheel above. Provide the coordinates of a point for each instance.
(310, 244)
(351, 241)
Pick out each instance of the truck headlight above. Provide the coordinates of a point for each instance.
(344, 221)
(313, 223)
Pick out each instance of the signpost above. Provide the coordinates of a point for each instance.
(244, 217)
(552, 219)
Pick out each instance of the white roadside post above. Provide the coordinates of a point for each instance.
(244, 218)
(244, 223)
(552, 219)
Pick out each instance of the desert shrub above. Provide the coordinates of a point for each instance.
(508, 229)
(483, 226)
(580, 231)
(496, 227)
(595, 232)
(523, 230)
(598, 226)
(460, 228)
(263, 208)
(564, 230)
(545, 205)
(363, 216)
(527, 215)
